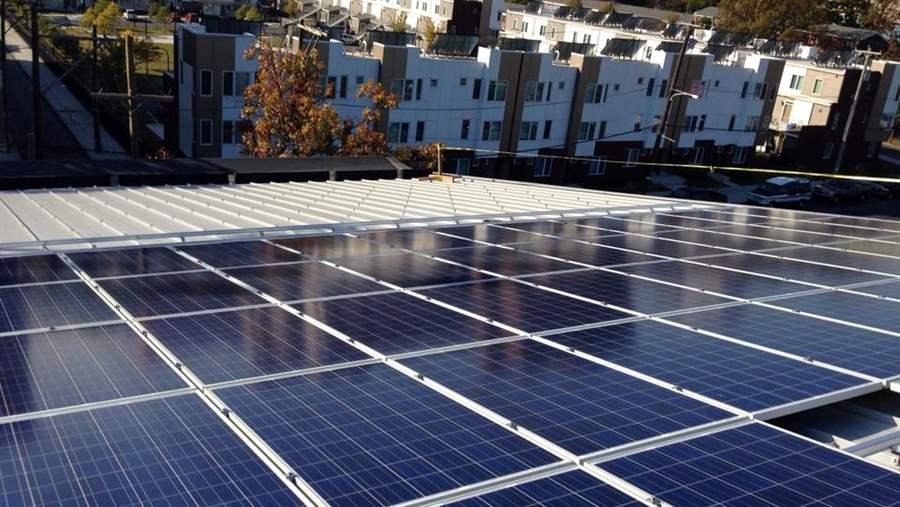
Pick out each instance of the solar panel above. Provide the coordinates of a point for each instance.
(580, 252)
(888, 290)
(416, 239)
(372, 436)
(855, 349)
(622, 48)
(853, 308)
(658, 246)
(644, 226)
(42, 306)
(720, 52)
(522, 306)
(876, 247)
(172, 451)
(571, 489)
(490, 234)
(240, 254)
(847, 259)
(34, 269)
(722, 240)
(290, 282)
(732, 283)
(396, 323)
(756, 465)
(627, 292)
(448, 44)
(795, 235)
(740, 376)
(503, 261)
(42, 371)
(812, 273)
(131, 262)
(240, 344)
(563, 229)
(572, 402)
(565, 49)
(181, 293)
(327, 247)
(518, 44)
(411, 270)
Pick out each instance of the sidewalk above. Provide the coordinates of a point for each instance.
(78, 120)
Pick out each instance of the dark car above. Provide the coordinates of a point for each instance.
(881, 190)
(699, 194)
(840, 190)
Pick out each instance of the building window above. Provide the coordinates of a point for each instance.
(241, 82)
(699, 155)
(330, 87)
(586, 130)
(586, 39)
(818, 84)
(690, 124)
(601, 131)
(497, 91)
(543, 168)
(227, 83)
(343, 93)
(752, 124)
(528, 131)
(491, 131)
(744, 89)
(398, 132)
(548, 125)
(434, 83)
(597, 167)
(650, 84)
(542, 30)
(227, 132)
(663, 88)
(897, 96)
(460, 166)
(549, 89)
(534, 91)
(637, 123)
(740, 155)
(562, 86)
(731, 122)
(464, 130)
(206, 83)
(420, 131)
(476, 89)
(462, 81)
(702, 123)
(359, 80)
(829, 148)
(206, 132)
(418, 89)
(631, 156)
(593, 94)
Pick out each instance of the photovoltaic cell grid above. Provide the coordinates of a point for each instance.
(570, 489)
(137, 261)
(43, 306)
(34, 269)
(245, 253)
(756, 465)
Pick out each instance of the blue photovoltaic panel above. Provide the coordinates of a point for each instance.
(416, 239)
(243, 253)
(177, 293)
(607, 226)
(715, 280)
(133, 261)
(855, 349)
(503, 261)
(570, 489)
(524, 307)
(42, 371)
(34, 269)
(491, 234)
(888, 290)
(40, 306)
(581, 252)
(803, 271)
(741, 376)
(683, 221)
(572, 402)
(324, 247)
(248, 343)
(853, 308)
(303, 281)
(823, 228)
(876, 247)
(757, 465)
(847, 259)
(372, 436)
(173, 451)
(562, 229)
(734, 215)
(887, 225)
(795, 235)
(657, 246)
(395, 323)
(722, 240)
(410, 270)
(627, 292)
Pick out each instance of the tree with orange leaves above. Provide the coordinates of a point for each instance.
(286, 114)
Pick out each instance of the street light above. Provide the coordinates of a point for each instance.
(677, 93)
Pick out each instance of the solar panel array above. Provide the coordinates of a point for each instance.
(608, 360)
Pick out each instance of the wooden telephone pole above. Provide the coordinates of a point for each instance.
(863, 76)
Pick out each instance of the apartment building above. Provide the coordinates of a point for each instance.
(210, 75)
(813, 107)
(447, 16)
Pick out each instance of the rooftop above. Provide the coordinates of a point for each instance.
(399, 342)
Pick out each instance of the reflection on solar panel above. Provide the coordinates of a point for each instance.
(756, 465)
(571, 489)
(173, 451)
(371, 436)
(572, 402)
(396, 323)
(239, 344)
(42, 306)
(42, 371)
(740, 376)
(106, 412)
(522, 306)
(622, 48)
(38, 268)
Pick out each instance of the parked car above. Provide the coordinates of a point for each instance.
(699, 194)
(881, 190)
(781, 190)
(840, 190)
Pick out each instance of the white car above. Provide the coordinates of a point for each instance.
(780, 190)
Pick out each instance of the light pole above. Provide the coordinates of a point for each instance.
(660, 132)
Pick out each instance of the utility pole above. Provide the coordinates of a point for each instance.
(37, 115)
(129, 84)
(842, 148)
(98, 144)
(3, 105)
(667, 107)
